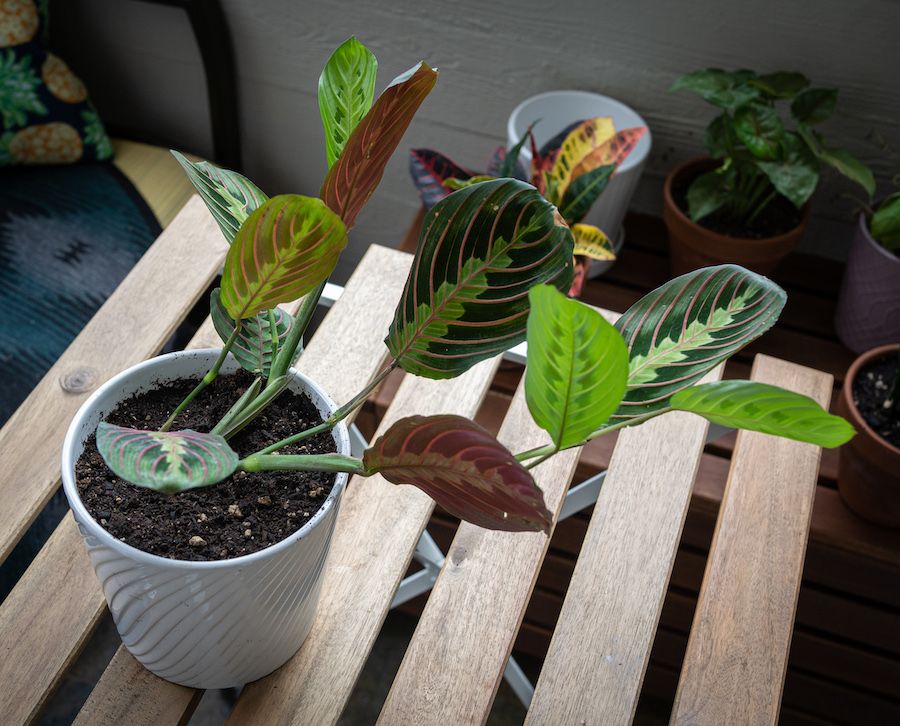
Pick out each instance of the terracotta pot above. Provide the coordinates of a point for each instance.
(869, 467)
(214, 624)
(692, 246)
(868, 309)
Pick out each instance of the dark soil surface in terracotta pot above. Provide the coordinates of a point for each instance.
(777, 218)
(246, 512)
(870, 390)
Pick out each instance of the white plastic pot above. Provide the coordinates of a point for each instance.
(205, 624)
(555, 110)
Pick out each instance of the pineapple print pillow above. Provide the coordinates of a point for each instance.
(47, 117)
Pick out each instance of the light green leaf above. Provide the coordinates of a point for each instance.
(768, 409)
(577, 366)
(885, 226)
(346, 92)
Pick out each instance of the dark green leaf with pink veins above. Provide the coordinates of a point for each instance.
(167, 462)
(463, 468)
(682, 330)
(481, 249)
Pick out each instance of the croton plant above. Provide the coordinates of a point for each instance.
(570, 170)
(493, 264)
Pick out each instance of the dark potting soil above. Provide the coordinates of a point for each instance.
(778, 217)
(871, 388)
(244, 513)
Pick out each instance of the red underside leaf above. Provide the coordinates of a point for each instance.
(354, 176)
(464, 469)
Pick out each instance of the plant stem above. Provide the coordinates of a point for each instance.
(360, 397)
(550, 449)
(286, 356)
(309, 462)
(207, 379)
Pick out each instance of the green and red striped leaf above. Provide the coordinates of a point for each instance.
(167, 462)
(765, 408)
(253, 346)
(463, 468)
(228, 195)
(346, 92)
(352, 179)
(683, 329)
(282, 251)
(577, 367)
(466, 299)
(429, 169)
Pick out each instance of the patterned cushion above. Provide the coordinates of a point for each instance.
(47, 117)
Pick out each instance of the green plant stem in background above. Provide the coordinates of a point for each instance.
(307, 462)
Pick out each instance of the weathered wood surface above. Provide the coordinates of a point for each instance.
(605, 632)
(50, 614)
(737, 655)
(466, 633)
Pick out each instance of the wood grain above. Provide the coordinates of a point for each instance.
(167, 281)
(130, 694)
(605, 631)
(467, 631)
(737, 654)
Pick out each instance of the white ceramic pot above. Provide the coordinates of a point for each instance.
(558, 109)
(205, 624)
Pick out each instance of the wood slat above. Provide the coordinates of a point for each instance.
(602, 642)
(127, 691)
(737, 654)
(133, 324)
(42, 632)
(465, 635)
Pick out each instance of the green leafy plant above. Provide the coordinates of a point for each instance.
(761, 157)
(493, 263)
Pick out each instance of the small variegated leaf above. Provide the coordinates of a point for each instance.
(577, 367)
(454, 184)
(683, 329)
(592, 242)
(170, 461)
(466, 298)
(346, 92)
(463, 468)
(228, 195)
(582, 141)
(613, 151)
(765, 408)
(253, 346)
(284, 249)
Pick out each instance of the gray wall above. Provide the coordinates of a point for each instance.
(140, 63)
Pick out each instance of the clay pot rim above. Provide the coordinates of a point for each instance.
(701, 163)
(847, 393)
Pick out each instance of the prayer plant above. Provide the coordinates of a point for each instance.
(493, 261)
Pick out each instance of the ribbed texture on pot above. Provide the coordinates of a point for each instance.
(205, 624)
(238, 623)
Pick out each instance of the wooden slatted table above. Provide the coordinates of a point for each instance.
(597, 660)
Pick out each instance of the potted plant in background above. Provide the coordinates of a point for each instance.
(868, 308)
(869, 464)
(552, 113)
(571, 170)
(748, 202)
(493, 262)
